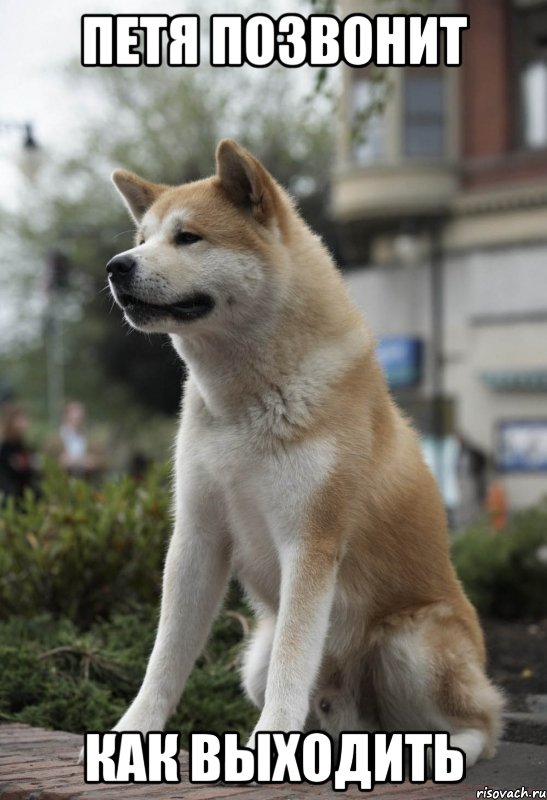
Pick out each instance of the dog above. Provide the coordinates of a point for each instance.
(295, 471)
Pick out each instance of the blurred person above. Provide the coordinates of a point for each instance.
(18, 470)
(441, 456)
(139, 464)
(496, 504)
(74, 452)
(471, 474)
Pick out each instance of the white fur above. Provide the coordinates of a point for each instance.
(256, 660)
(472, 742)
(236, 501)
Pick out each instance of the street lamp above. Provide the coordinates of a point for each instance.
(57, 282)
(408, 245)
(29, 163)
(436, 265)
(26, 128)
(29, 142)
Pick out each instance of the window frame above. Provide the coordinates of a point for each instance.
(424, 117)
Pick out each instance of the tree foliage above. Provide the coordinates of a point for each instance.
(163, 124)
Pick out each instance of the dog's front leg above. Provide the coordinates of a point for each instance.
(195, 578)
(308, 574)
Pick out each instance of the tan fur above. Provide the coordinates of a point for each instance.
(400, 645)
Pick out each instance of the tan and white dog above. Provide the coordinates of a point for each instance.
(296, 471)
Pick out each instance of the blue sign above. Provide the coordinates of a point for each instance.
(401, 358)
(522, 445)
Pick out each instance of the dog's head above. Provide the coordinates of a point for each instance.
(204, 250)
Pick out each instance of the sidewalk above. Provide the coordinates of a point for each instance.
(36, 764)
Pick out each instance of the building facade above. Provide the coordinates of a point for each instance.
(440, 194)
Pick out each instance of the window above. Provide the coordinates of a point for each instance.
(367, 122)
(530, 54)
(423, 114)
(533, 91)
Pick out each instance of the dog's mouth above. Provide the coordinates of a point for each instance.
(188, 308)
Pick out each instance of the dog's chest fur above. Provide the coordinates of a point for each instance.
(267, 488)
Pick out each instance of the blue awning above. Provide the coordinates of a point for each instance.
(528, 380)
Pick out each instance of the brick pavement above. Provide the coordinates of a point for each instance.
(36, 764)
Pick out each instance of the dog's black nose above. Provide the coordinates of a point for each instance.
(120, 266)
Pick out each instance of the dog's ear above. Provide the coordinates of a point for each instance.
(138, 194)
(246, 182)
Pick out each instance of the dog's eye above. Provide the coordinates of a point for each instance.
(141, 241)
(185, 237)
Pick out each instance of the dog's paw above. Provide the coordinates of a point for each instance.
(141, 716)
(251, 742)
(137, 718)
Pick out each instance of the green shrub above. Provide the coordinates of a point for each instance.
(83, 553)
(53, 675)
(502, 572)
(80, 575)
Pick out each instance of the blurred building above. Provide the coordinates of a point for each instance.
(441, 199)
